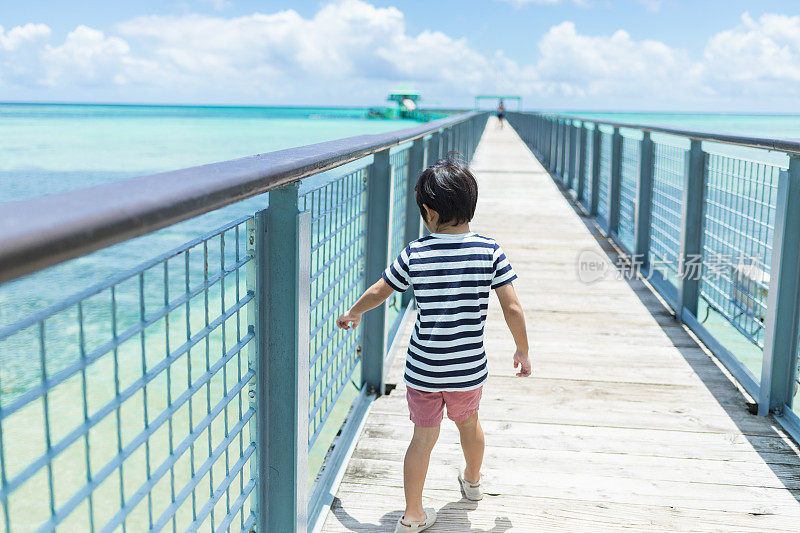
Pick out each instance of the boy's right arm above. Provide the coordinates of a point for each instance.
(515, 318)
(372, 298)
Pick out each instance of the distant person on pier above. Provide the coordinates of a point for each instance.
(452, 272)
(501, 113)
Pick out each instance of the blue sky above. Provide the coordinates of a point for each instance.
(588, 54)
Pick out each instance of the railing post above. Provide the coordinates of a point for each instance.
(547, 136)
(559, 144)
(595, 199)
(573, 156)
(469, 132)
(282, 250)
(644, 200)
(691, 230)
(532, 130)
(539, 138)
(563, 155)
(476, 127)
(447, 138)
(377, 256)
(556, 136)
(581, 191)
(434, 149)
(431, 157)
(780, 332)
(472, 136)
(256, 280)
(615, 182)
(565, 177)
(416, 161)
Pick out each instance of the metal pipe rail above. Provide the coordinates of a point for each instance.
(42, 232)
(716, 235)
(790, 146)
(207, 388)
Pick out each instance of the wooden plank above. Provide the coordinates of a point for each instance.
(353, 511)
(661, 442)
(578, 485)
(616, 465)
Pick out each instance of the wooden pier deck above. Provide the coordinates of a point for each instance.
(627, 423)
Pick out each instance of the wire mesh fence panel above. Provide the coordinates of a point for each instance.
(587, 175)
(629, 177)
(605, 174)
(399, 165)
(338, 214)
(567, 173)
(400, 177)
(669, 164)
(795, 401)
(737, 241)
(139, 415)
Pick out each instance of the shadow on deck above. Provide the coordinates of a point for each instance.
(769, 440)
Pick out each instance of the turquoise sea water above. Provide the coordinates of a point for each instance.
(47, 149)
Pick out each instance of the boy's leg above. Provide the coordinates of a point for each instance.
(472, 443)
(415, 468)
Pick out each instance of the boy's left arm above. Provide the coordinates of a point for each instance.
(515, 319)
(372, 298)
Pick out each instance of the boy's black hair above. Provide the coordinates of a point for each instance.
(450, 189)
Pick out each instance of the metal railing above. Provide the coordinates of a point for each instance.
(207, 388)
(713, 222)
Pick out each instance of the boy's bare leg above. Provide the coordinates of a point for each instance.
(472, 443)
(415, 468)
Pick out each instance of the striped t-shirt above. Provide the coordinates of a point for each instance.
(452, 276)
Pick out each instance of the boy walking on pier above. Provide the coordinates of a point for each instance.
(452, 271)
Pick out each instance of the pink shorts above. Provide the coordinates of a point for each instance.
(426, 408)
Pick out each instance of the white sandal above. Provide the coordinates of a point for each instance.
(404, 526)
(472, 491)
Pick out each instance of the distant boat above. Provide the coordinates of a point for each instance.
(406, 102)
(407, 107)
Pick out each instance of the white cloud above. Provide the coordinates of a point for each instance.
(345, 41)
(89, 56)
(351, 51)
(582, 65)
(20, 49)
(756, 55)
(18, 36)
